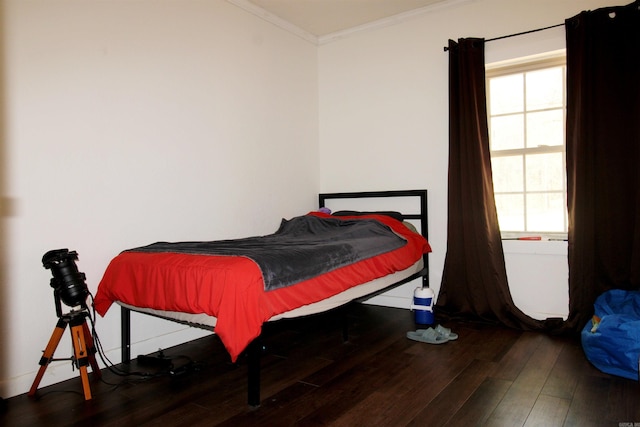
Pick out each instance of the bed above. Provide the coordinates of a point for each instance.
(228, 288)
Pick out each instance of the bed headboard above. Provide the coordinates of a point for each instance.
(420, 214)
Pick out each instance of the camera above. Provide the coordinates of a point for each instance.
(68, 283)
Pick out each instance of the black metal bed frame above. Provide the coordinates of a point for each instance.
(254, 349)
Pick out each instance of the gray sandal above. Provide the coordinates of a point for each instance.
(429, 336)
(442, 331)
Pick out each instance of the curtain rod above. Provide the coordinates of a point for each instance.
(446, 48)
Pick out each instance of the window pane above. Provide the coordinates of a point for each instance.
(507, 132)
(507, 174)
(507, 94)
(544, 88)
(510, 211)
(544, 172)
(526, 106)
(545, 212)
(545, 128)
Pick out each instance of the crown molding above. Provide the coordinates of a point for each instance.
(275, 20)
(320, 40)
(391, 20)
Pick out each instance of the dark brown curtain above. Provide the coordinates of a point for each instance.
(603, 155)
(474, 283)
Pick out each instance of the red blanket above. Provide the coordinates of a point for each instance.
(231, 288)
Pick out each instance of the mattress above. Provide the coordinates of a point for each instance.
(205, 321)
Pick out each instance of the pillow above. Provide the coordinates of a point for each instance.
(395, 215)
(410, 226)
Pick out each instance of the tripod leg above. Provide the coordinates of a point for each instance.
(82, 357)
(91, 351)
(48, 354)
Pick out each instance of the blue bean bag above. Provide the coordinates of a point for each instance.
(611, 339)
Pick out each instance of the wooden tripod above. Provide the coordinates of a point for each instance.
(84, 350)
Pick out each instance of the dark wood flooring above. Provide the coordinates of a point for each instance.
(490, 376)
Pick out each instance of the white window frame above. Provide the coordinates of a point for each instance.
(520, 65)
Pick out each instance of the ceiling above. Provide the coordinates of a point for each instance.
(321, 18)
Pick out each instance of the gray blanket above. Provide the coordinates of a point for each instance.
(302, 248)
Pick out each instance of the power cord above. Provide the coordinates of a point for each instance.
(165, 362)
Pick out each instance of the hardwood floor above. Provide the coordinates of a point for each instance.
(490, 376)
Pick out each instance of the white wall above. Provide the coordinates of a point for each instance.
(384, 121)
(128, 122)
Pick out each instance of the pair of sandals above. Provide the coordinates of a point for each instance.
(437, 335)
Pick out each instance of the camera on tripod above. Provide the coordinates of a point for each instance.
(68, 283)
(69, 287)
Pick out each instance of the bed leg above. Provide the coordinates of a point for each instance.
(125, 334)
(253, 378)
(345, 325)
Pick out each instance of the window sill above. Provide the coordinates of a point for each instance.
(535, 247)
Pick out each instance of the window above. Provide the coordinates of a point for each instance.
(527, 108)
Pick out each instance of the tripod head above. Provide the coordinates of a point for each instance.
(68, 283)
